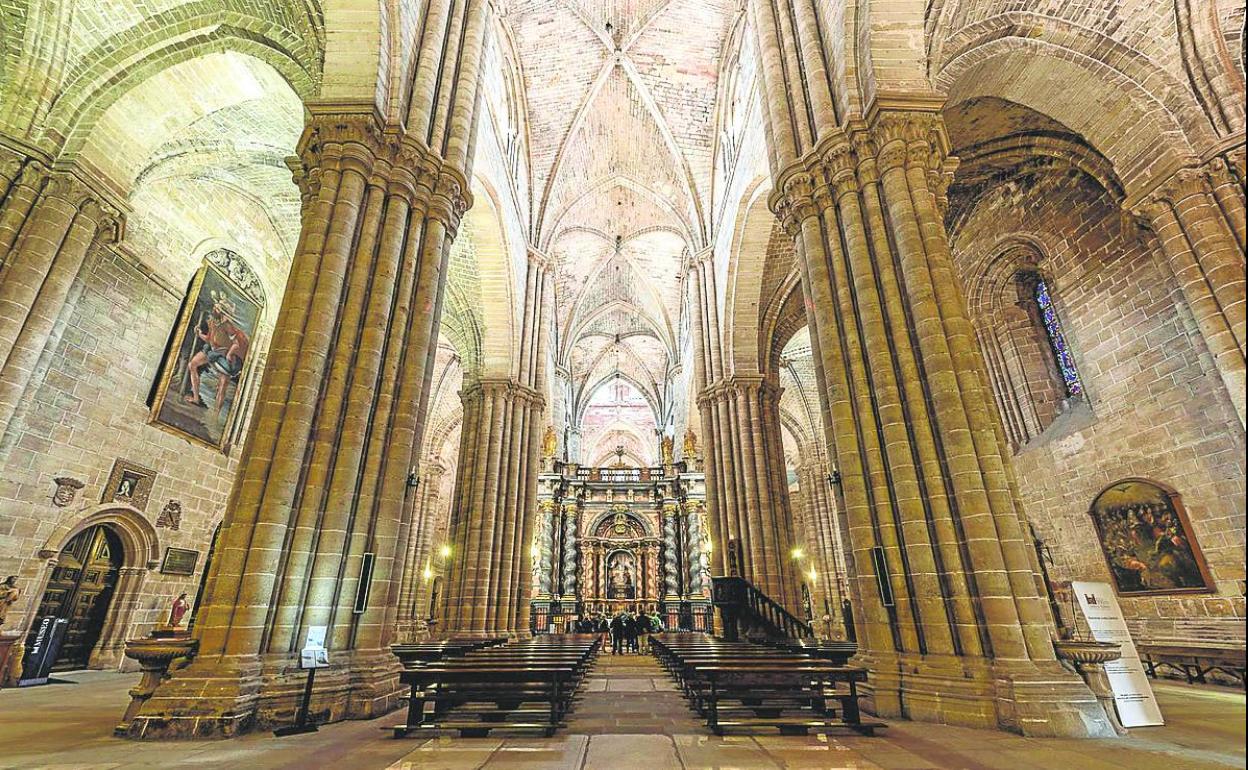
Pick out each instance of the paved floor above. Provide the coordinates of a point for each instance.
(629, 717)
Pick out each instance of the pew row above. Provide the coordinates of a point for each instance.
(750, 687)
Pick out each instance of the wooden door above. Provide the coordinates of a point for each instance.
(80, 589)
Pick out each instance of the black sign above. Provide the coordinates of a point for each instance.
(179, 561)
(49, 633)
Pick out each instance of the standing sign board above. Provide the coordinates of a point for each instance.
(43, 650)
(1133, 695)
(314, 654)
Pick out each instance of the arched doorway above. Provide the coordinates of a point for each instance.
(80, 589)
(132, 548)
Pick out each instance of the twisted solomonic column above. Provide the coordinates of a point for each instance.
(670, 513)
(695, 547)
(571, 515)
(545, 548)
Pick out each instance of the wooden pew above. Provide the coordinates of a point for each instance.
(488, 689)
(740, 685)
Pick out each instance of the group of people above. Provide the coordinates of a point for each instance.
(628, 630)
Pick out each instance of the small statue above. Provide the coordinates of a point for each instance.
(9, 592)
(550, 443)
(690, 449)
(667, 446)
(178, 610)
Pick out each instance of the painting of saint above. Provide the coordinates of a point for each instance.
(1148, 541)
(208, 359)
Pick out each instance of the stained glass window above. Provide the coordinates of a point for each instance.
(1057, 340)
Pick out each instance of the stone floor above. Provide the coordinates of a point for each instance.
(629, 716)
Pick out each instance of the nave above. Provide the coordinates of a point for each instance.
(630, 715)
(334, 330)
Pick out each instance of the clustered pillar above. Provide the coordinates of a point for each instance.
(952, 622)
(750, 489)
(50, 222)
(494, 508)
(322, 487)
(819, 518)
(1198, 217)
(428, 521)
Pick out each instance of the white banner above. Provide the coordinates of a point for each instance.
(1133, 695)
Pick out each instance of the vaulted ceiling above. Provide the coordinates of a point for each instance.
(621, 104)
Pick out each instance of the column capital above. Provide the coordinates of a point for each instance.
(355, 135)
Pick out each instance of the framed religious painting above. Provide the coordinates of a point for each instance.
(203, 376)
(1148, 541)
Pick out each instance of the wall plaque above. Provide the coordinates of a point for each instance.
(179, 561)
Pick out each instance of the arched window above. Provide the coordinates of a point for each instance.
(1057, 340)
(1030, 363)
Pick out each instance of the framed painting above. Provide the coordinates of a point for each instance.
(205, 370)
(1148, 541)
(129, 483)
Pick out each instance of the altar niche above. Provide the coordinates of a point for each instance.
(620, 560)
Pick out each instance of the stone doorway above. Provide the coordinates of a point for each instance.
(80, 589)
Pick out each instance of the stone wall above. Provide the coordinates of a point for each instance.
(87, 409)
(1155, 406)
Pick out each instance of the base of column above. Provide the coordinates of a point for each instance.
(224, 697)
(211, 698)
(1036, 699)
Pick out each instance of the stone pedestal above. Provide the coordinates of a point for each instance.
(11, 652)
(154, 654)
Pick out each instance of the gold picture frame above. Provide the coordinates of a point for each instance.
(129, 483)
(209, 360)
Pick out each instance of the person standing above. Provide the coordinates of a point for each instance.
(617, 634)
(630, 631)
(643, 630)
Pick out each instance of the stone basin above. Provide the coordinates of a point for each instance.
(1087, 651)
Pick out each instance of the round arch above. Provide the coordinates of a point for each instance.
(140, 555)
(747, 263)
(1079, 91)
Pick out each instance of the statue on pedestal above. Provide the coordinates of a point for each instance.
(178, 610)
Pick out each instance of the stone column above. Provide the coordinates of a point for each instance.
(427, 521)
(1198, 217)
(706, 368)
(929, 492)
(49, 223)
(485, 590)
(322, 484)
(744, 432)
(492, 518)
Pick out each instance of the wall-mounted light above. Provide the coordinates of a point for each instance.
(834, 478)
(427, 573)
(445, 551)
(413, 480)
(797, 553)
(813, 575)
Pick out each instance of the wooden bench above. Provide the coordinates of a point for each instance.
(522, 686)
(429, 652)
(741, 685)
(1194, 661)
